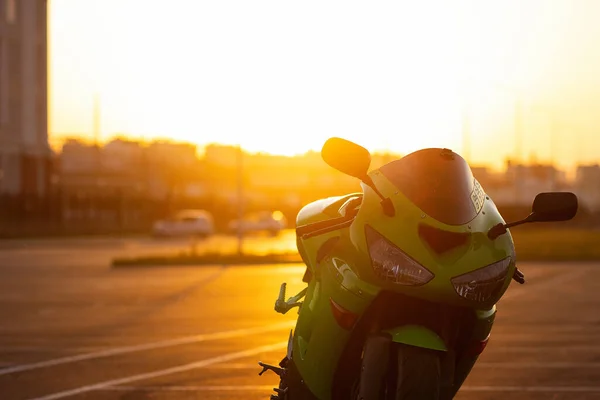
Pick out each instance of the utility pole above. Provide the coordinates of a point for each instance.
(96, 137)
(518, 129)
(553, 138)
(518, 147)
(96, 130)
(555, 126)
(466, 133)
(240, 199)
(96, 127)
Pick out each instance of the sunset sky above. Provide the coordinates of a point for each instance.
(283, 76)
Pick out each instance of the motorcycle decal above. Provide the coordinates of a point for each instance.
(477, 196)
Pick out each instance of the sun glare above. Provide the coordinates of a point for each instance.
(283, 77)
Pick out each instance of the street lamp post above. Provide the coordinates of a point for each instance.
(556, 126)
(466, 132)
(518, 116)
(240, 199)
(553, 139)
(518, 129)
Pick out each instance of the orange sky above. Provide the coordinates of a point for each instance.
(282, 76)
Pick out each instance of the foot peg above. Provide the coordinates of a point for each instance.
(280, 394)
(267, 367)
(282, 306)
(282, 390)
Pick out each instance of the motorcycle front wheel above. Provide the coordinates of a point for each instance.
(392, 371)
(418, 374)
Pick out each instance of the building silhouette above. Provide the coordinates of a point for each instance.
(25, 156)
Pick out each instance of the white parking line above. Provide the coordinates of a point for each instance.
(148, 346)
(548, 365)
(480, 364)
(232, 388)
(235, 366)
(163, 372)
(550, 389)
(516, 348)
(240, 388)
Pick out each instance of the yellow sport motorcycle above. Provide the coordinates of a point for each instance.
(402, 279)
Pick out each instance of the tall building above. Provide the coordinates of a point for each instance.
(25, 157)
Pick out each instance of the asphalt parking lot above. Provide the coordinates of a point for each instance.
(75, 328)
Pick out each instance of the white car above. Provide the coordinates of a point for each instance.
(186, 223)
(272, 222)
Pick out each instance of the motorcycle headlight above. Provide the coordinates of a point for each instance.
(392, 264)
(482, 284)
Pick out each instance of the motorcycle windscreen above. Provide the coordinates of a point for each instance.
(439, 182)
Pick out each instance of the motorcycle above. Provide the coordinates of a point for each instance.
(402, 279)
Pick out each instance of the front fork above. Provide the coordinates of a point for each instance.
(411, 335)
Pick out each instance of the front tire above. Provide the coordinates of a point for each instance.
(419, 374)
(393, 371)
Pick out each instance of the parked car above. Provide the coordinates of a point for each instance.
(186, 223)
(272, 222)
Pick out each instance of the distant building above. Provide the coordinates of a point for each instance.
(128, 167)
(588, 175)
(77, 157)
(122, 156)
(529, 180)
(587, 186)
(221, 155)
(25, 156)
(171, 154)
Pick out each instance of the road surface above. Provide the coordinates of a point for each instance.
(74, 328)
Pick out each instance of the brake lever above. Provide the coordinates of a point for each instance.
(519, 276)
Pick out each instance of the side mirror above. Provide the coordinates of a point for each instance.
(554, 206)
(547, 207)
(353, 160)
(346, 157)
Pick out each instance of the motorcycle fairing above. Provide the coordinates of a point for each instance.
(403, 232)
(323, 209)
(323, 350)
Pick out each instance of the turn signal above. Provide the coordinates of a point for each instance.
(346, 319)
